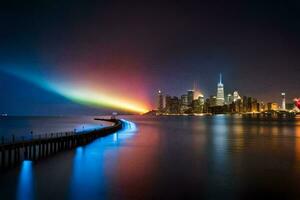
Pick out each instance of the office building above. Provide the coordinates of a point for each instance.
(220, 93)
(236, 96)
(283, 105)
(168, 104)
(272, 106)
(184, 104)
(190, 95)
(201, 99)
(160, 101)
(175, 105)
(229, 99)
(212, 101)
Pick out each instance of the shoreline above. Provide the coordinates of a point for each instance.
(250, 116)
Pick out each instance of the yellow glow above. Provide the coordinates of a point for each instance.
(92, 98)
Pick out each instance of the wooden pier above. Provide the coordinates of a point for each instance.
(13, 152)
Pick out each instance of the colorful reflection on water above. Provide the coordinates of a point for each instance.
(25, 190)
(218, 157)
(88, 176)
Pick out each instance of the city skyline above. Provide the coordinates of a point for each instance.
(192, 102)
(123, 51)
(277, 96)
(222, 97)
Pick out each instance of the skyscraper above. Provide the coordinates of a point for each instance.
(283, 101)
(168, 104)
(245, 104)
(160, 101)
(190, 95)
(201, 103)
(236, 96)
(184, 102)
(229, 99)
(201, 99)
(220, 93)
(212, 101)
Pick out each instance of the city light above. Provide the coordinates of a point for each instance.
(297, 102)
(192, 104)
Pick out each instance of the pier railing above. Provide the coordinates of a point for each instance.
(15, 149)
(29, 137)
(23, 138)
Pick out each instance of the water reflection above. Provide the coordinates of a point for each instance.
(219, 137)
(297, 143)
(25, 190)
(217, 157)
(238, 140)
(22, 126)
(88, 179)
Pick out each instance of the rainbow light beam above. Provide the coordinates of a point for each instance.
(81, 95)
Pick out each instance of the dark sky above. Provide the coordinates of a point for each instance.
(132, 48)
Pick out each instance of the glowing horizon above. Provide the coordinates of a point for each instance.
(81, 95)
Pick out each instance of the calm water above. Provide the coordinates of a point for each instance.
(23, 126)
(218, 157)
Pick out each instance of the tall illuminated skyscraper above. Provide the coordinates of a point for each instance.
(220, 93)
(283, 101)
(160, 101)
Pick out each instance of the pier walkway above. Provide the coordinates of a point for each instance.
(13, 151)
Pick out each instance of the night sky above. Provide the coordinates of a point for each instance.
(128, 50)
